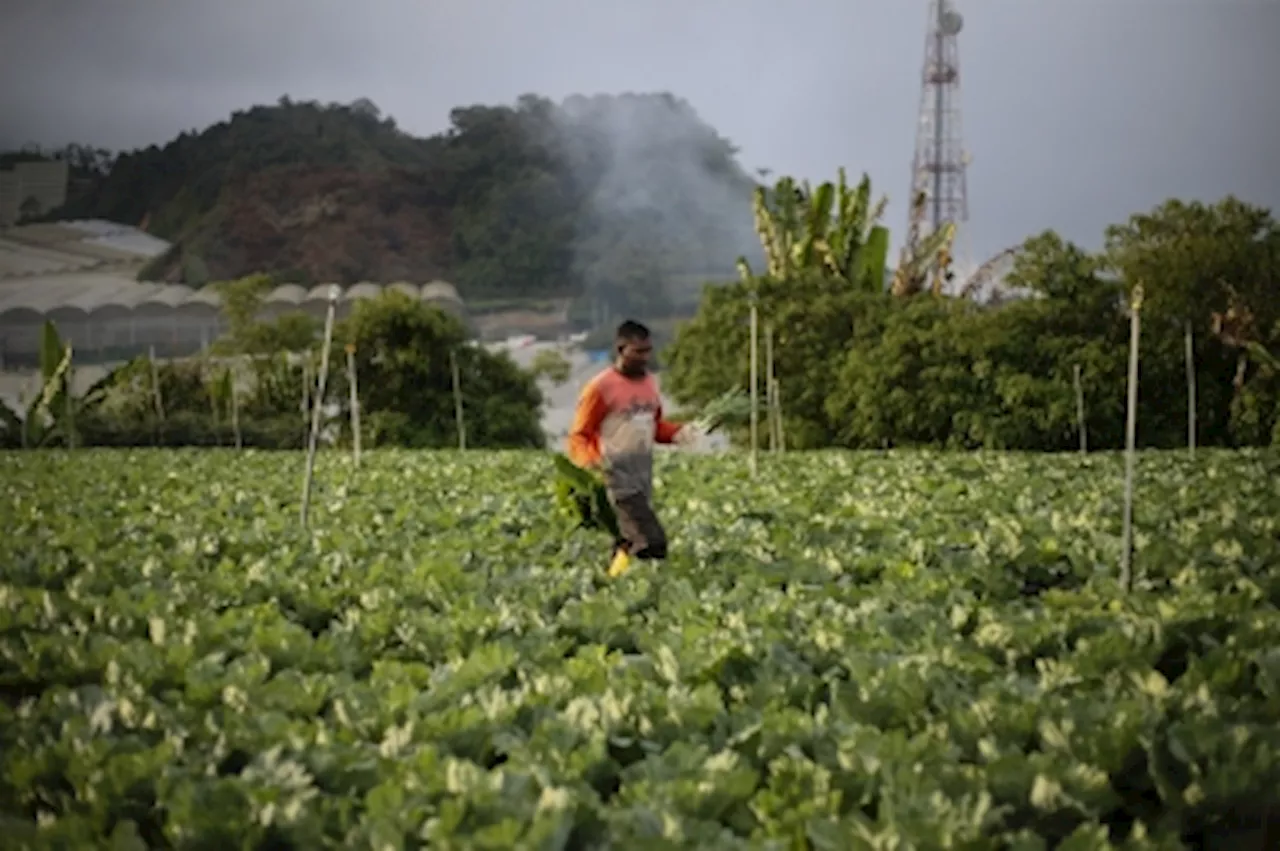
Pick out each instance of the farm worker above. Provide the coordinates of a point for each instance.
(617, 423)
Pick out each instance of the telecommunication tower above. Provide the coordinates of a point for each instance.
(939, 191)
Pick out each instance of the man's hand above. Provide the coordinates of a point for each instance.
(689, 435)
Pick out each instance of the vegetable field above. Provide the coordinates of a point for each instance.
(853, 651)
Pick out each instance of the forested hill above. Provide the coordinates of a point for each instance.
(605, 193)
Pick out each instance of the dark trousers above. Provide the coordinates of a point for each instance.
(640, 532)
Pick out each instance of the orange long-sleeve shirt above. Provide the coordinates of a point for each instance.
(619, 419)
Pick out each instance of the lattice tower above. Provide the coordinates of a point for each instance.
(938, 169)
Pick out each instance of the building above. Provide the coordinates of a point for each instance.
(32, 188)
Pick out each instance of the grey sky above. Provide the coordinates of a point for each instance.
(1077, 112)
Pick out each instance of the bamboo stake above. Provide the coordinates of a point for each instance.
(68, 395)
(235, 411)
(755, 390)
(1080, 421)
(319, 403)
(769, 385)
(206, 378)
(306, 391)
(457, 400)
(775, 418)
(155, 390)
(354, 403)
(1130, 439)
(777, 400)
(26, 418)
(1191, 392)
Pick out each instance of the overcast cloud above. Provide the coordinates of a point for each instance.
(1077, 112)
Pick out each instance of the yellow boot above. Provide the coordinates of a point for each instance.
(620, 564)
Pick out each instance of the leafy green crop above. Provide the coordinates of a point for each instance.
(730, 408)
(582, 497)
(852, 651)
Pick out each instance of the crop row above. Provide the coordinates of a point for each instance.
(851, 651)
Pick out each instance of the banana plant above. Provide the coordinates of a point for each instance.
(854, 247)
(778, 225)
(920, 255)
(832, 229)
(53, 412)
(1268, 361)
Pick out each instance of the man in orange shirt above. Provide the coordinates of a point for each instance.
(617, 423)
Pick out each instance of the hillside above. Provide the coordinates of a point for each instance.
(605, 197)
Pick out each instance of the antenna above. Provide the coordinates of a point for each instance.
(939, 167)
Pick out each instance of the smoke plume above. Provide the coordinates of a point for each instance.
(668, 206)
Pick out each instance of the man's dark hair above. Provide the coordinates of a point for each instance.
(631, 331)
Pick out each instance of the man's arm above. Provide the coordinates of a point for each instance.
(665, 431)
(583, 445)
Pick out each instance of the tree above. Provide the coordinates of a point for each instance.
(1197, 261)
(404, 356)
(366, 107)
(1048, 266)
(247, 335)
(815, 323)
(551, 365)
(864, 369)
(948, 373)
(1213, 268)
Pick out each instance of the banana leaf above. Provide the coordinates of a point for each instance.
(1268, 361)
(582, 498)
(10, 426)
(48, 412)
(873, 257)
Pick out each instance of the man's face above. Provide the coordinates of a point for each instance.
(633, 357)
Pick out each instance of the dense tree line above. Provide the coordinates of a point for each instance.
(859, 366)
(609, 197)
(256, 387)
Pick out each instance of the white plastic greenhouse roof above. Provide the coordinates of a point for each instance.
(287, 294)
(61, 247)
(84, 294)
(439, 291)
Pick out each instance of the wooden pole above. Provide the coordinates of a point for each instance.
(235, 410)
(206, 378)
(306, 390)
(457, 400)
(1080, 421)
(777, 400)
(318, 404)
(1130, 439)
(755, 390)
(354, 404)
(775, 417)
(26, 412)
(69, 396)
(769, 387)
(155, 391)
(1191, 391)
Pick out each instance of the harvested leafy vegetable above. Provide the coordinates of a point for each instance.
(581, 496)
(851, 651)
(731, 408)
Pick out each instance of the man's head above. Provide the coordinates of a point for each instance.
(633, 348)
